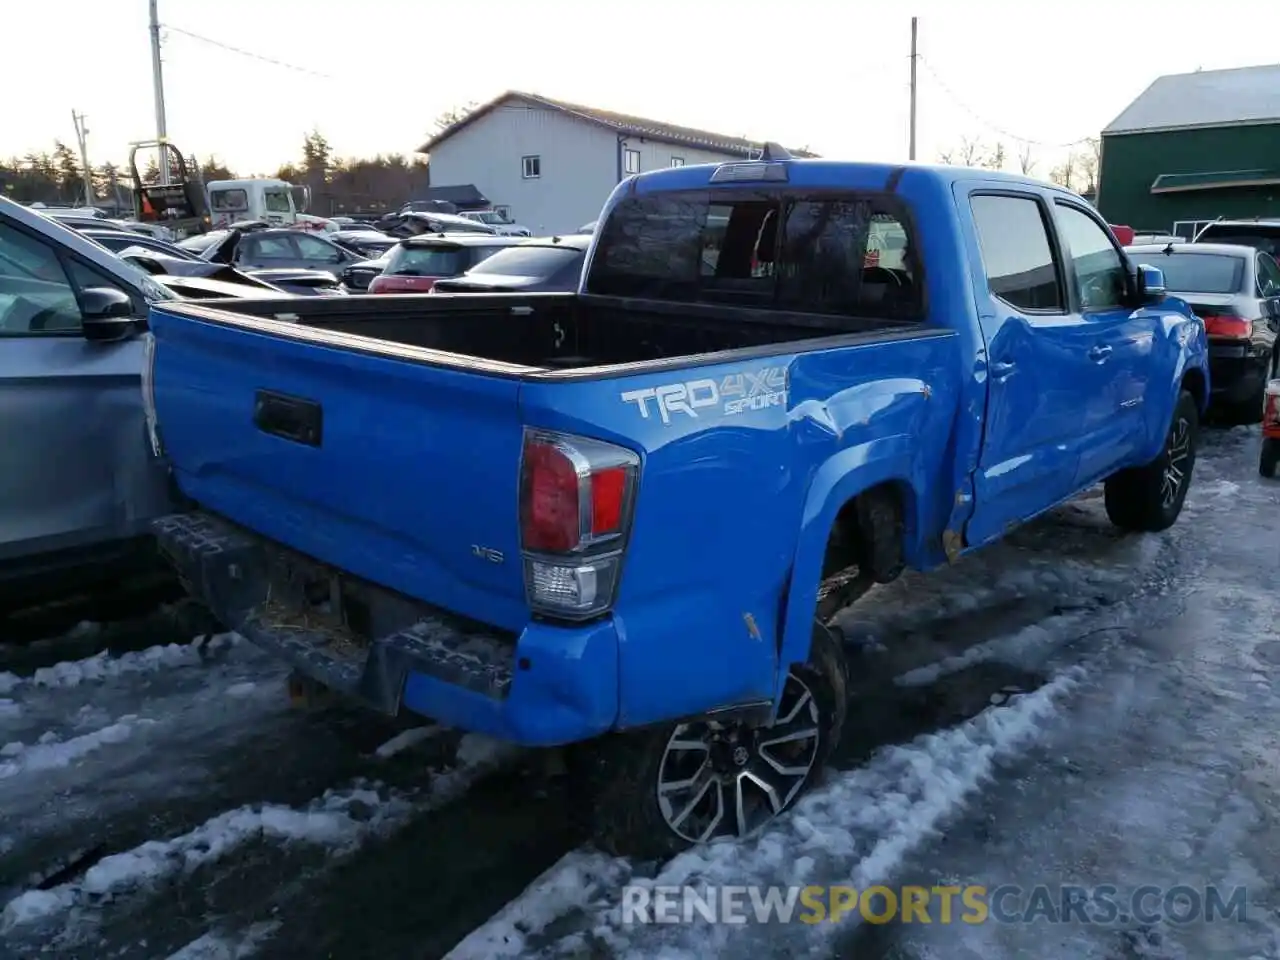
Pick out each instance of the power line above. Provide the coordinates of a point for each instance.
(246, 53)
(987, 123)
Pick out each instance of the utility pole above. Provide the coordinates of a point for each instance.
(82, 137)
(911, 150)
(162, 155)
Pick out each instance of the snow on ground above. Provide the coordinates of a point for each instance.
(1068, 704)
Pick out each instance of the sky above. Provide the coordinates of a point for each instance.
(372, 76)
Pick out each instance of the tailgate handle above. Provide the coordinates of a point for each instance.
(293, 418)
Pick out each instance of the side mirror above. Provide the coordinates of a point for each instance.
(1150, 284)
(106, 314)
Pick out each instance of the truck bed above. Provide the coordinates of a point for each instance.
(542, 333)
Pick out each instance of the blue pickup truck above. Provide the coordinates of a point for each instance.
(623, 518)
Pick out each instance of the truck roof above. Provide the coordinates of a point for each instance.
(833, 174)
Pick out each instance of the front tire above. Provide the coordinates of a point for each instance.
(658, 792)
(1150, 498)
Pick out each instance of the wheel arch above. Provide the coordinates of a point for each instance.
(832, 514)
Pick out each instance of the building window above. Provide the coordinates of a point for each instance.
(531, 167)
(631, 162)
(677, 161)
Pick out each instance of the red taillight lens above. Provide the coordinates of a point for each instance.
(1228, 325)
(608, 494)
(573, 491)
(550, 489)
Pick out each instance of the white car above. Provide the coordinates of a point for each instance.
(503, 226)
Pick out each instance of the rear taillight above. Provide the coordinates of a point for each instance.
(576, 497)
(1228, 326)
(1271, 405)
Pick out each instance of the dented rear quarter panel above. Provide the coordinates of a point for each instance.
(726, 497)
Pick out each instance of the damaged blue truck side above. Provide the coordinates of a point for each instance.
(623, 518)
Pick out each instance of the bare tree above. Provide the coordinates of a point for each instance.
(1067, 172)
(1088, 164)
(996, 159)
(1026, 162)
(971, 152)
(947, 156)
(453, 115)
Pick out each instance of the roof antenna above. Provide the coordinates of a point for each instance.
(774, 151)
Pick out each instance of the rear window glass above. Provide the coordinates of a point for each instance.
(1199, 272)
(850, 254)
(426, 261)
(539, 262)
(1265, 240)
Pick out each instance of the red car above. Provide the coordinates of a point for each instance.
(416, 263)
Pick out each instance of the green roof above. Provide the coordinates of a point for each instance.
(1214, 180)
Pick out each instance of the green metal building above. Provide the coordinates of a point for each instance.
(1192, 148)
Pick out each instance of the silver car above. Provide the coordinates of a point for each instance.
(78, 483)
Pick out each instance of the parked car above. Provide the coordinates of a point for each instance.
(366, 243)
(1235, 290)
(414, 265)
(500, 224)
(277, 248)
(79, 483)
(448, 516)
(1260, 234)
(554, 264)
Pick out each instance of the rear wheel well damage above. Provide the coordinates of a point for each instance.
(865, 547)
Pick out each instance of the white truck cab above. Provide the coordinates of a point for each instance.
(259, 198)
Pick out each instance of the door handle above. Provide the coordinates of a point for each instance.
(1099, 353)
(1002, 371)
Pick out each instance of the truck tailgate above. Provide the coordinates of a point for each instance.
(396, 471)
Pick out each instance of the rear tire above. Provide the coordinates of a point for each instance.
(1269, 460)
(654, 793)
(1150, 498)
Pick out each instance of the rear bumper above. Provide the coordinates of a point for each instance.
(548, 686)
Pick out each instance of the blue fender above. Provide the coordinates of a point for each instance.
(837, 481)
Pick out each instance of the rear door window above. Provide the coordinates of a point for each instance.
(812, 254)
(1016, 253)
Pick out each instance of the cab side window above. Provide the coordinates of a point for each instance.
(1017, 254)
(1102, 279)
(36, 295)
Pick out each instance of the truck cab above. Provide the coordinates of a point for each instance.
(258, 198)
